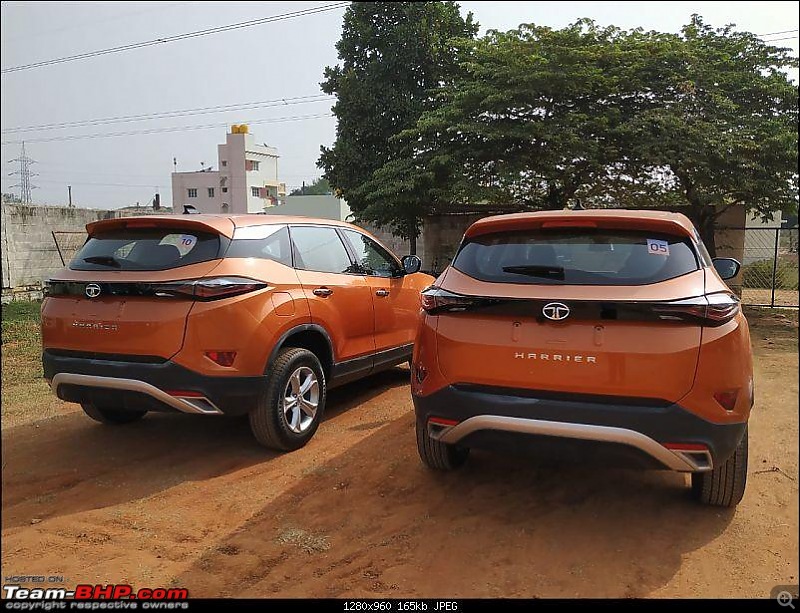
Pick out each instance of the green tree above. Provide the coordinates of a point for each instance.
(705, 119)
(394, 57)
(725, 130)
(537, 114)
(318, 187)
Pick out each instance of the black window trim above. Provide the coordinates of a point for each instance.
(345, 244)
(353, 256)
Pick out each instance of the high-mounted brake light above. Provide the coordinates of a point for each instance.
(568, 224)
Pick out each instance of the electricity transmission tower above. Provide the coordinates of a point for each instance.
(24, 173)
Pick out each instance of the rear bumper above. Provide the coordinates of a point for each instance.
(151, 385)
(626, 431)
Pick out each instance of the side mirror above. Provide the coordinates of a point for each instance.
(411, 264)
(727, 268)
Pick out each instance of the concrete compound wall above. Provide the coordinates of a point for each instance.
(29, 251)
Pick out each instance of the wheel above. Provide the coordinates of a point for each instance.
(724, 485)
(110, 416)
(438, 455)
(291, 407)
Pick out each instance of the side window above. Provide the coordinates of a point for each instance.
(269, 242)
(320, 249)
(373, 259)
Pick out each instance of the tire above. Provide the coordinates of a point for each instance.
(438, 455)
(111, 417)
(278, 423)
(724, 485)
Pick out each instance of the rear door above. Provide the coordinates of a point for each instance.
(104, 302)
(573, 310)
(338, 294)
(395, 297)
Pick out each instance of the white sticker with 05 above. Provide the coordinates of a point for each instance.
(657, 247)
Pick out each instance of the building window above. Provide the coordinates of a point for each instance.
(210, 192)
(224, 207)
(224, 190)
(191, 192)
(223, 163)
(256, 192)
(254, 165)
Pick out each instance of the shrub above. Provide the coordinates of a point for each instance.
(759, 275)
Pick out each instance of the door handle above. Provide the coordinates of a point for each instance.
(323, 292)
(382, 292)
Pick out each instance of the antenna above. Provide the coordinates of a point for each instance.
(25, 175)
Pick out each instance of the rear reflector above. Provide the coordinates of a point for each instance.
(441, 421)
(184, 394)
(727, 399)
(223, 358)
(686, 446)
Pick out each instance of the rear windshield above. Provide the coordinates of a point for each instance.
(576, 257)
(146, 249)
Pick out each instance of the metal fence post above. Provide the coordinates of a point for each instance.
(55, 240)
(775, 265)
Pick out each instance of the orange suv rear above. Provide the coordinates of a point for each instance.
(593, 336)
(232, 315)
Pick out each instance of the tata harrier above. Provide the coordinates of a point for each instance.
(592, 336)
(235, 315)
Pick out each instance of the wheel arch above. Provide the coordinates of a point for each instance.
(306, 336)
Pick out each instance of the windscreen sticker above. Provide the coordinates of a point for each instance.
(657, 247)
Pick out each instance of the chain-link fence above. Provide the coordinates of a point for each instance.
(67, 244)
(769, 267)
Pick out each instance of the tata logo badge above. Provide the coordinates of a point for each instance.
(93, 290)
(555, 311)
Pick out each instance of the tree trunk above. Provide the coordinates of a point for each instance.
(412, 244)
(705, 219)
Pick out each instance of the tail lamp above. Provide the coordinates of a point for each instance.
(435, 300)
(706, 310)
(207, 288)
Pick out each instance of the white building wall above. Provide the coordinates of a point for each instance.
(182, 182)
(232, 175)
(322, 207)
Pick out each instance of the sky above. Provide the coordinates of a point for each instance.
(278, 65)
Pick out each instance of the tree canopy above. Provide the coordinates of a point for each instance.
(542, 118)
(318, 187)
(394, 57)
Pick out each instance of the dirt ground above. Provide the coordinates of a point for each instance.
(194, 502)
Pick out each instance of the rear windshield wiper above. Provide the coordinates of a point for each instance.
(533, 270)
(106, 260)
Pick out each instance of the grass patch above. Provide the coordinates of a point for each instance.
(26, 395)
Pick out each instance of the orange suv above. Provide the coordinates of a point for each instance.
(216, 314)
(598, 336)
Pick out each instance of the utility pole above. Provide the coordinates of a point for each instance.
(25, 174)
(69, 191)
